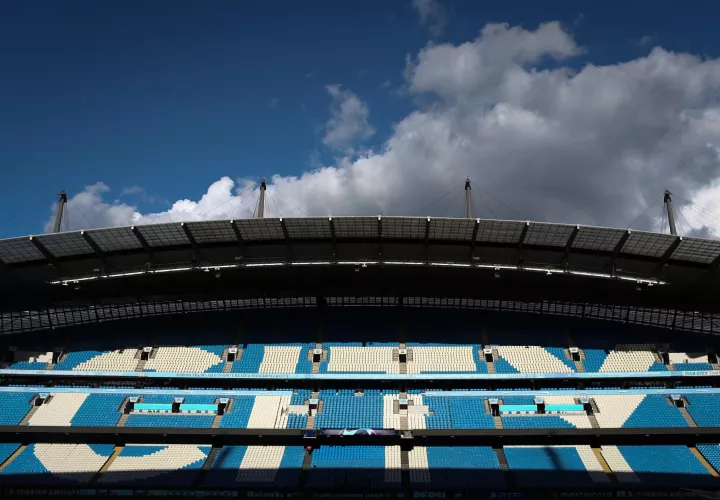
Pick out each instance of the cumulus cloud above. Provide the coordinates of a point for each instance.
(596, 145)
(348, 123)
(432, 14)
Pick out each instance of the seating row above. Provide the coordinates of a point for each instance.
(374, 467)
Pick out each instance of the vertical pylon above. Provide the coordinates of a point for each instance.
(261, 200)
(670, 213)
(60, 209)
(468, 199)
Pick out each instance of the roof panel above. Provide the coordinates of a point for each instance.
(65, 244)
(163, 235)
(115, 239)
(19, 250)
(403, 228)
(597, 238)
(499, 231)
(648, 244)
(452, 229)
(550, 235)
(309, 228)
(260, 229)
(356, 227)
(697, 250)
(212, 231)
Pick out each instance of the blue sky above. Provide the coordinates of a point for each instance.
(170, 97)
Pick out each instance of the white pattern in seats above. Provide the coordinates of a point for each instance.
(269, 412)
(532, 359)
(260, 463)
(171, 458)
(392, 464)
(60, 410)
(442, 359)
(182, 359)
(77, 462)
(113, 361)
(280, 359)
(629, 358)
(362, 359)
(617, 463)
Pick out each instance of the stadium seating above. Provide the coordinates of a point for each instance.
(455, 467)
(56, 464)
(711, 452)
(637, 410)
(192, 359)
(256, 466)
(345, 409)
(703, 408)
(662, 465)
(156, 465)
(444, 358)
(355, 466)
(274, 358)
(555, 466)
(457, 412)
(99, 410)
(15, 405)
(353, 358)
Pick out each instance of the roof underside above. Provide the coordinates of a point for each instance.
(29, 265)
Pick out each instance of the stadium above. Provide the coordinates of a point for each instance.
(360, 357)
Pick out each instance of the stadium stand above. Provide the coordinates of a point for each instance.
(56, 464)
(156, 465)
(256, 466)
(15, 405)
(455, 467)
(355, 466)
(660, 465)
(555, 466)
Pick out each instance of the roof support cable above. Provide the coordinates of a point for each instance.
(291, 202)
(443, 196)
(239, 195)
(81, 213)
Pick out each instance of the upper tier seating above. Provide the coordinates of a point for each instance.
(455, 467)
(256, 466)
(56, 464)
(653, 466)
(274, 358)
(173, 465)
(355, 467)
(353, 358)
(191, 359)
(555, 466)
(445, 358)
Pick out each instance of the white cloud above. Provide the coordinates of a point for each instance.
(432, 14)
(386, 84)
(274, 102)
(348, 123)
(596, 145)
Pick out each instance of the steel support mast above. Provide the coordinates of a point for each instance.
(261, 200)
(468, 199)
(670, 213)
(60, 209)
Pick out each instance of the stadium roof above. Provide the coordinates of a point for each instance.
(161, 261)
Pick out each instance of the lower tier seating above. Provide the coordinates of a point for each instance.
(652, 466)
(256, 466)
(156, 465)
(56, 464)
(555, 466)
(455, 467)
(355, 466)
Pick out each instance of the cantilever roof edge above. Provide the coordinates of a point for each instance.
(86, 243)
